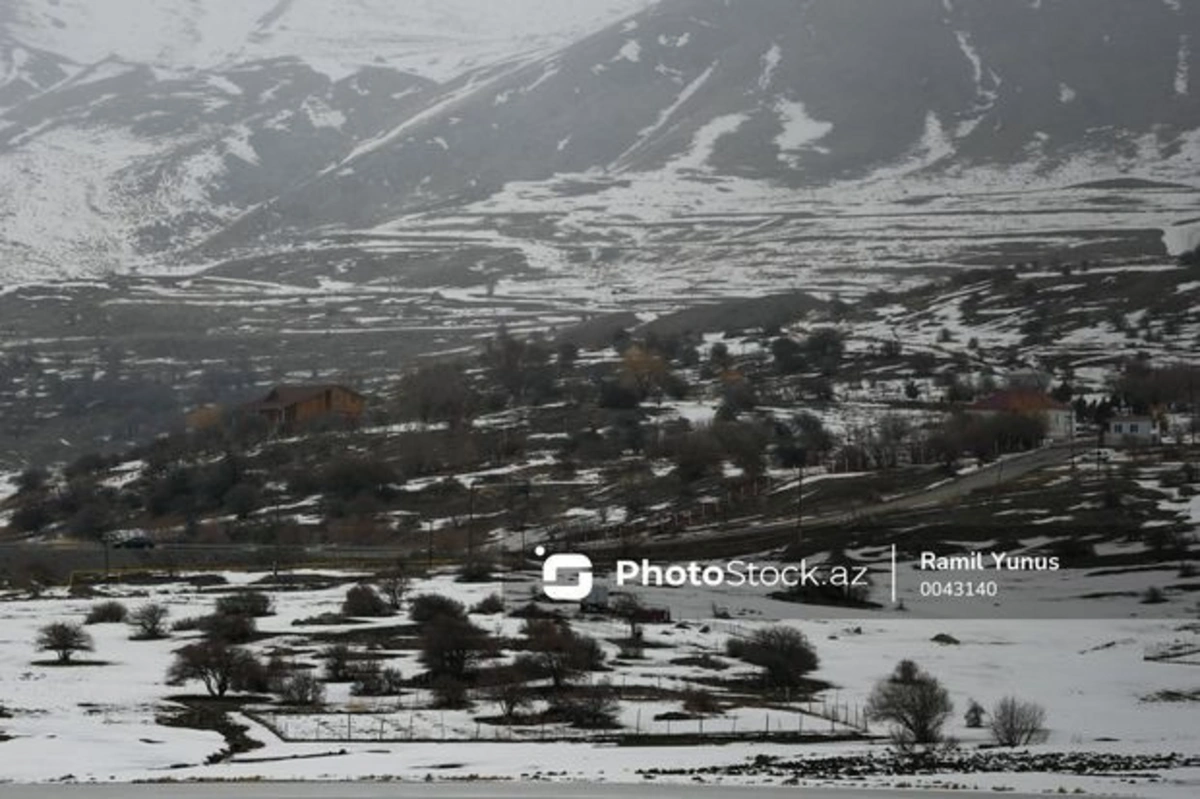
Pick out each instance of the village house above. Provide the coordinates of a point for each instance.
(288, 407)
(1059, 416)
(1130, 431)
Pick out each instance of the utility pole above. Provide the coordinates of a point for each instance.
(471, 523)
(803, 455)
(429, 525)
(525, 489)
(1195, 421)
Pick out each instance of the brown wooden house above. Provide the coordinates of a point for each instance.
(288, 407)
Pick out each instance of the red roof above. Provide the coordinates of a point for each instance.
(283, 396)
(1018, 400)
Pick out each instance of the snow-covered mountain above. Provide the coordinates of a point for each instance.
(437, 39)
(799, 94)
(142, 131)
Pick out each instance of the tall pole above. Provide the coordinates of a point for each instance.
(1192, 401)
(471, 524)
(800, 503)
(525, 489)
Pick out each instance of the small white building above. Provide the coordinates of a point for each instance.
(1131, 431)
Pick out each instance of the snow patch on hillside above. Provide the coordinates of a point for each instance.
(647, 133)
(430, 113)
(935, 144)
(770, 62)
(322, 116)
(225, 85)
(12, 65)
(63, 207)
(800, 131)
(706, 139)
(1182, 238)
(552, 69)
(1182, 65)
(238, 145)
(630, 51)
(105, 70)
(987, 83)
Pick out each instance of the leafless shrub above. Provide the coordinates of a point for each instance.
(64, 639)
(149, 622)
(110, 612)
(914, 702)
(303, 689)
(213, 662)
(1017, 723)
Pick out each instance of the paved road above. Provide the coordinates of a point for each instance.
(716, 541)
(483, 790)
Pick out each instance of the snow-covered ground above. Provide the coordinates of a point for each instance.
(97, 722)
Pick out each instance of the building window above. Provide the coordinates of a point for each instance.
(1117, 427)
(1133, 428)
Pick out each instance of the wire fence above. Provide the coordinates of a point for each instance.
(841, 722)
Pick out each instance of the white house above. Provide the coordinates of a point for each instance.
(1131, 431)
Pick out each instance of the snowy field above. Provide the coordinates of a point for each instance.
(461, 790)
(97, 722)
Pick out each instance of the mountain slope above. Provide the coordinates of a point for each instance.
(797, 94)
(119, 162)
(130, 130)
(699, 106)
(437, 39)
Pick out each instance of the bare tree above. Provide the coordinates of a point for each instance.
(304, 689)
(364, 601)
(337, 663)
(451, 647)
(1017, 723)
(395, 583)
(213, 662)
(506, 687)
(700, 702)
(438, 392)
(630, 608)
(426, 609)
(783, 653)
(975, 714)
(914, 702)
(149, 622)
(64, 639)
(110, 612)
(594, 708)
(557, 652)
